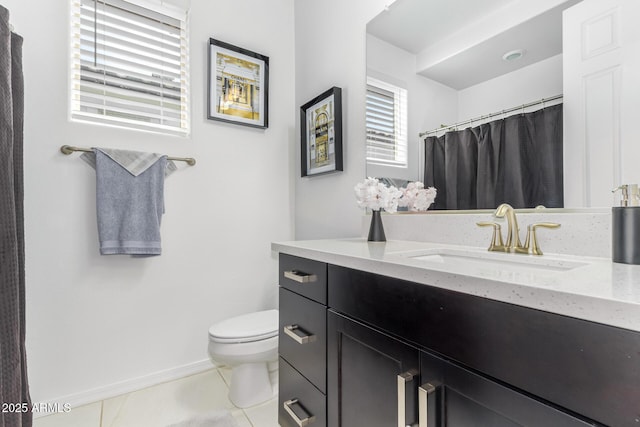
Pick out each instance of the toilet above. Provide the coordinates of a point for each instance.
(249, 345)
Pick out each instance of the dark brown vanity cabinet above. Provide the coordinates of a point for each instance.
(400, 353)
(377, 380)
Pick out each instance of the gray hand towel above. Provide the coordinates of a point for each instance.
(129, 207)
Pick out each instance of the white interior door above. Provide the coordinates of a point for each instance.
(601, 85)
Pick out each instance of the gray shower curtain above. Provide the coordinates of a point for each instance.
(14, 387)
(516, 160)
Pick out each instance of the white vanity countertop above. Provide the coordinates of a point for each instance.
(593, 289)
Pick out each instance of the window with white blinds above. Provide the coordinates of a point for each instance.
(386, 123)
(129, 65)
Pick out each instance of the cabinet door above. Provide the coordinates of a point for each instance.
(371, 377)
(456, 397)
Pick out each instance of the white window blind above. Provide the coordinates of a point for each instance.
(129, 65)
(386, 123)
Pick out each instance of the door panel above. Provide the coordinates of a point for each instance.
(466, 399)
(363, 368)
(601, 76)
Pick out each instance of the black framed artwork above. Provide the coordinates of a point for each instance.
(321, 133)
(238, 86)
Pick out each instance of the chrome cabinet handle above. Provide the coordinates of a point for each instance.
(423, 402)
(305, 339)
(301, 422)
(403, 379)
(300, 277)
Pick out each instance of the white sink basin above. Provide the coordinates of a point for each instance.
(495, 260)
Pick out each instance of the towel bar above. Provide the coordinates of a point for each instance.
(68, 149)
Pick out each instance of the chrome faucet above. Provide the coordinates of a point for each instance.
(513, 231)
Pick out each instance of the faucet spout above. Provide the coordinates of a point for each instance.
(513, 232)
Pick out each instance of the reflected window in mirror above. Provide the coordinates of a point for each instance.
(386, 124)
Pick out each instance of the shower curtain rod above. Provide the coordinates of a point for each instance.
(488, 116)
(68, 149)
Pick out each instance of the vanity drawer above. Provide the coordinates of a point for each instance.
(303, 336)
(304, 276)
(301, 397)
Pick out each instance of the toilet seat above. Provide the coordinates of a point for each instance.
(250, 327)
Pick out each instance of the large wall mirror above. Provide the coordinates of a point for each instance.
(457, 64)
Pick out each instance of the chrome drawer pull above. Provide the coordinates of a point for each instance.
(305, 339)
(300, 277)
(403, 379)
(301, 422)
(423, 402)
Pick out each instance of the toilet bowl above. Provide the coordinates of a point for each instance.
(248, 344)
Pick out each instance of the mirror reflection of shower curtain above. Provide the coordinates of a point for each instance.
(515, 160)
(14, 389)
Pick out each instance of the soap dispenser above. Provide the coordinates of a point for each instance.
(625, 225)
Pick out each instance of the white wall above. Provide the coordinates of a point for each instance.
(93, 321)
(429, 103)
(532, 83)
(330, 51)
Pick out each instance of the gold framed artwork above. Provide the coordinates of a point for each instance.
(321, 133)
(238, 85)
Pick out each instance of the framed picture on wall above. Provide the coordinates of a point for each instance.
(238, 85)
(321, 133)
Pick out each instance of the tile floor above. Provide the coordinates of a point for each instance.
(165, 404)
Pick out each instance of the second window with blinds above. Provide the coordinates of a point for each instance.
(386, 124)
(129, 65)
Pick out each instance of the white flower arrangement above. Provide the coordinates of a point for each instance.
(417, 198)
(373, 194)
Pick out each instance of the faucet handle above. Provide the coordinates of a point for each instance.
(532, 241)
(497, 245)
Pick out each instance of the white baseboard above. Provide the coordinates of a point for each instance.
(128, 386)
